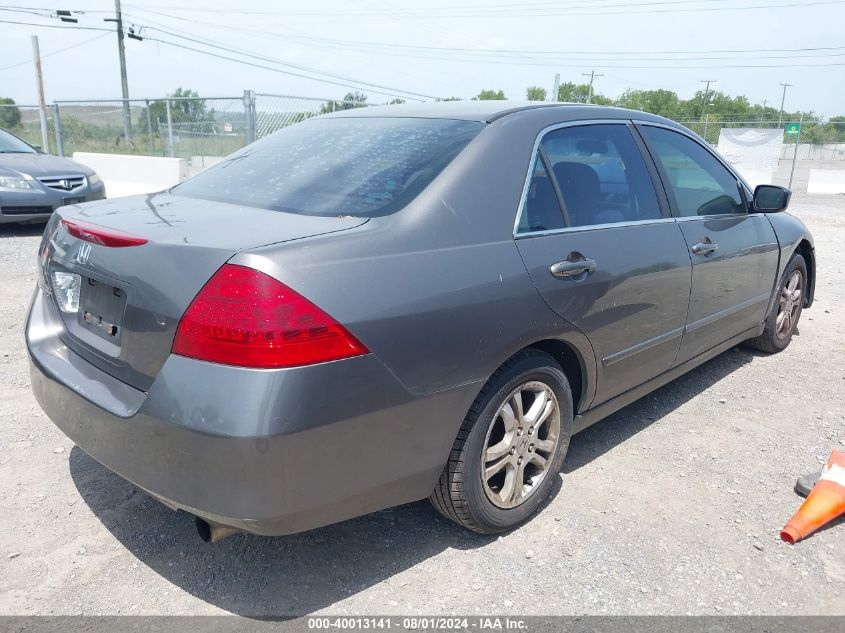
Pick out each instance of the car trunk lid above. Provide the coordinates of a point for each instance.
(130, 298)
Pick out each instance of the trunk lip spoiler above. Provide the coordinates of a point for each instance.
(101, 235)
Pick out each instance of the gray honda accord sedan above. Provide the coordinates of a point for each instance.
(392, 303)
(33, 184)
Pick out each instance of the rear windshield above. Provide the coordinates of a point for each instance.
(343, 166)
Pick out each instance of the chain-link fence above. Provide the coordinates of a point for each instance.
(25, 121)
(181, 127)
(804, 149)
(273, 112)
(818, 140)
(204, 129)
(199, 129)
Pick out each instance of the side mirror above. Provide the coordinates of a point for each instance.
(771, 198)
(38, 149)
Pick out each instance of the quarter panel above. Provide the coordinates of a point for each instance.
(438, 291)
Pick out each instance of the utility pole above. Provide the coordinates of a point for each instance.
(556, 93)
(592, 77)
(124, 82)
(36, 56)
(782, 101)
(707, 83)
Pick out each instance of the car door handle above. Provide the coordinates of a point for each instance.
(705, 248)
(568, 269)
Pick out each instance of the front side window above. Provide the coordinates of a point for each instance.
(701, 184)
(601, 175)
(364, 166)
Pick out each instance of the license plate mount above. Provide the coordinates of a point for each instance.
(101, 309)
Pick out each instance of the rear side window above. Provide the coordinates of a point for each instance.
(542, 211)
(601, 175)
(701, 184)
(336, 166)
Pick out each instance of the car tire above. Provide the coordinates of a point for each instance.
(495, 424)
(776, 332)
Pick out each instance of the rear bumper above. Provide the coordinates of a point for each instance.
(267, 451)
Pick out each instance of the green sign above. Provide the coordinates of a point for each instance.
(793, 128)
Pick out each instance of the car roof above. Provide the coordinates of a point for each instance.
(489, 111)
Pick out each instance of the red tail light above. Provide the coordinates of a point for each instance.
(101, 235)
(246, 318)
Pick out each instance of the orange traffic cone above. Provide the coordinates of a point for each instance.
(824, 503)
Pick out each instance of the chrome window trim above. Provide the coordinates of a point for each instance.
(531, 165)
(593, 227)
(717, 216)
(697, 139)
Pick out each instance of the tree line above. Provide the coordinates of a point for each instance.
(704, 112)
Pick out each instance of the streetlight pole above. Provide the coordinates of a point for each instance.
(782, 101)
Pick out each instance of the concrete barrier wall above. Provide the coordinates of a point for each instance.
(803, 169)
(130, 175)
(826, 181)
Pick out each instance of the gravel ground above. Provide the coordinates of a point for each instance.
(671, 506)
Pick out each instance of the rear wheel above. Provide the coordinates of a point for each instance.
(783, 318)
(510, 447)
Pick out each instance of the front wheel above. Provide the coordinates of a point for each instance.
(783, 317)
(510, 447)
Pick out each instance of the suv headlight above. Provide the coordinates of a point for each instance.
(93, 179)
(14, 182)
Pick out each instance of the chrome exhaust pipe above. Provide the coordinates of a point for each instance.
(212, 532)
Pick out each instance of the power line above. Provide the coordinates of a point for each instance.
(602, 64)
(212, 44)
(56, 52)
(506, 53)
(597, 63)
(352, 83)
(363, 46)
(137, 19)
(563, 52)
(277, 70)
(520, 11)
(57, 26)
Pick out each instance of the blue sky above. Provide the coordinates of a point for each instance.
(422, 47)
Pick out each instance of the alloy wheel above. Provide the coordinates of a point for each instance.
(789, 304)
(520, 444)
